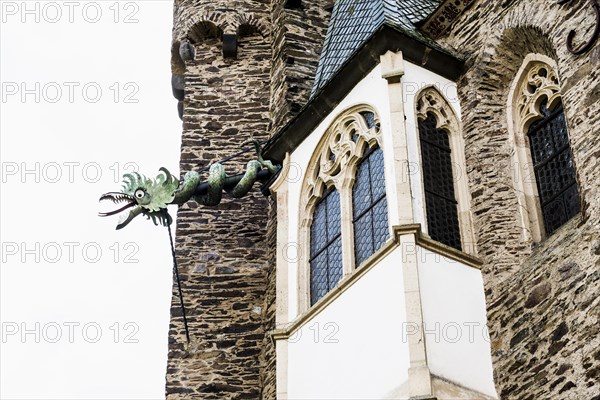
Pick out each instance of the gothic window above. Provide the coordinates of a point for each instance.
(443, 171)
(546, 178)
(344, 219)
(440, 202)
(369, 206)
(553, 166)
(325, 246)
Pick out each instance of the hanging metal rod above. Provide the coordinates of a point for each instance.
(224, 160)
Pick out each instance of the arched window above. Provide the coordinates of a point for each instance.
(443, 171)
(369, 206)
(345, 215)
(440, 202)
(553, 167)
(325, 246)
(545, 178)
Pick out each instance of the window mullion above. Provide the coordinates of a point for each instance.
(347, 230)
(372, 204)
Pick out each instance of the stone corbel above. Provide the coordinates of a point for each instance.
(392, 66)
(178, 86)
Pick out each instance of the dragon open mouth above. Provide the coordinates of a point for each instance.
(117, 198)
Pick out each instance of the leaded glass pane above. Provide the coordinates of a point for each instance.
(376, 169)
(318, 231)
(334, 225)
(361, 193)
(440, 201)
(442, 220)
(432, 134)
(554, 168)
(334, 256)
(318, 277)
(380, 224)
(369, 118)
(363, 238)
(369, 206)
(325, 246)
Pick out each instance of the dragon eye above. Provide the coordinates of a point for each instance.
(140, 193)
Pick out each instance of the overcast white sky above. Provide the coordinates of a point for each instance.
(85, 96)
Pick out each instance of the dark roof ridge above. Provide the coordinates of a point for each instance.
(354, 21)
(388, 37)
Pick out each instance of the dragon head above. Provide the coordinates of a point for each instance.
(143, 195)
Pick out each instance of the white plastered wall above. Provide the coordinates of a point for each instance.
(371, 360)
(354, 348)
(455, 322)
(373, 91)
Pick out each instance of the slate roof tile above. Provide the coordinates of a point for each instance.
(354, 21)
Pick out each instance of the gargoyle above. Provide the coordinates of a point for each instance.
(151, 197)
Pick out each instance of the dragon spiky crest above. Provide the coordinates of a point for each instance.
(145, 196)
(150, 197)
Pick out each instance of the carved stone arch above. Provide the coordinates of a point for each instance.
(203, 30)
(333, 164)
(484, 89)
(522, 29)
(209, 23)
(431, 101)
(535, 82)
(248, 24)
(340, 150)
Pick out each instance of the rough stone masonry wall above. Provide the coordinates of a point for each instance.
(267, 355)
(227, 253)
(222, 250)
(298, 36)
(543, 299)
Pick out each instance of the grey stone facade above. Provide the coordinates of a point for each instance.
(226, 253)
(542, 298)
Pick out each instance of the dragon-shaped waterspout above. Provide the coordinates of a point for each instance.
(151, 197)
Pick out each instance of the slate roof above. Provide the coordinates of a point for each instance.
(359, 33)
(353, 22)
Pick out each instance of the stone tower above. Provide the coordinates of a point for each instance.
(253, 69)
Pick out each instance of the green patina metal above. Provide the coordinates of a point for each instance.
(151, 197)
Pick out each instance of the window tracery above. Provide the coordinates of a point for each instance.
(443, 172)
(546, 184)
(347, 163)
(540, 84)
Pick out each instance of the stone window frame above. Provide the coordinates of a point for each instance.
(523, 109)
(430, 100)
(338, 171)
